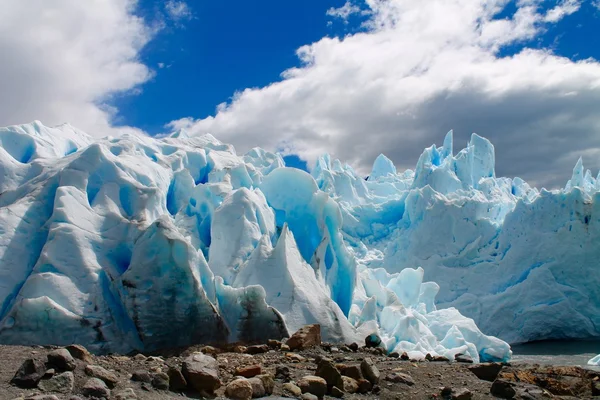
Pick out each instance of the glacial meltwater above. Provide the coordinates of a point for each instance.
(557, 352)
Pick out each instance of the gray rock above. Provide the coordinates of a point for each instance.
(370, 371)
(61, 383)
(201, 372)
(176, 379)
(42, 397)
(239, 389)
(127, 394)
(62, 360)
(160, 380)
(141, 376)
(398, 377)
(96, 371)
(95, 387)
(462, 394)
(313, 385)
(29, 374)
(309, 396)
(258, 389)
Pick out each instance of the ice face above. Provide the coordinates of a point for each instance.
(142, 243)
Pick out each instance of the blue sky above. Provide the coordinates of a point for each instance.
(227, 46)
(375, 76)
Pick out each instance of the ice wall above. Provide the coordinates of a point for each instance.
(144, 243)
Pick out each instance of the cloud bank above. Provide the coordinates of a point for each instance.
(420, 69)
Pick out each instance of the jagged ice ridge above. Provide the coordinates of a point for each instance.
(145, 243)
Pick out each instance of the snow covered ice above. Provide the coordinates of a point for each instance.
(144, 243)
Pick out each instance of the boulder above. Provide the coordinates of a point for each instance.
(62, 360)
(353, 371)
(398, 377)
(373, 340)
(248, 371)
(268, 382)
(95, 387)
(364, 386)
(292, 389)
(486, 371)
(61, 383)
(96, 371)
(79, 352)
(282, 372)
(462, 394)
(177, 381)
(239, 389)
(305, 337)
(463, 358)
(503, 389)
(160, 380)
(370, 371)
(350, 385)
(141, 376)
(127, 394)
(330, 373)
(258, 389)
(313, 385)
(29, 374)
(201, 372)
(257, 349)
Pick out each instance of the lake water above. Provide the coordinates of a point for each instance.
(556, 352)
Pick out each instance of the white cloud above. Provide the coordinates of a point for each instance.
(425, 67)
(566, 7)
(62, 60)
(344, 12)
(178, 11)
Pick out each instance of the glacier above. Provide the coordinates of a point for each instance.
(142, 243)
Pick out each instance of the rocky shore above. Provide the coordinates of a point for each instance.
(302, 367)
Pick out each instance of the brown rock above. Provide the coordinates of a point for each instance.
(404, 356)
(350, 385)
(330, 373)
(274, 344)
(486, 371)
(160, 380)
(305, 337)
(239, 389)
(352, 371)
(364, 386)
(248, 371)
(268, 382)
(462, 394)
(94, 387)
(338, 393)
(313, 385)
(79, 352)
(176, 379)
(292, 389)
(257, 349)
(201, 372)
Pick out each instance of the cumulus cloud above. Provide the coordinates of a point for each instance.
(62, 60)
(422, 68)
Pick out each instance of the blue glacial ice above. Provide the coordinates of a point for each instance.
(144, 243)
